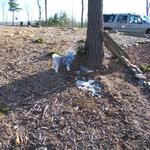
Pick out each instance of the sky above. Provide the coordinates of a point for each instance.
(71, 7)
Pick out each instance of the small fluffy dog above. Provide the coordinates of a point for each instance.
(62, 60)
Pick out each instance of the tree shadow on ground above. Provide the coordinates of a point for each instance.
(34, 87)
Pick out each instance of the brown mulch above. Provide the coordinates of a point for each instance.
(140, 55)
(46, 110)
(138, 50)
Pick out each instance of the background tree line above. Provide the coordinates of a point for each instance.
(58, 19)
(61, 20)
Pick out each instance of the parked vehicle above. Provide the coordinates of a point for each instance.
(128, 23)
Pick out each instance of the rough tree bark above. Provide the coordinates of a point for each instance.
(94, 41)
(82, 3)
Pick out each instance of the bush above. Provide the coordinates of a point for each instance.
(60, 20)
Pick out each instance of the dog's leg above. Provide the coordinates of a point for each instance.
(56, 62)
(53, 65)
(56, 68)
(68, 67)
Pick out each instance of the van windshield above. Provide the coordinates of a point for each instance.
(145, 19)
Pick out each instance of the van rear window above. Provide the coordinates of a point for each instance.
(109, 18)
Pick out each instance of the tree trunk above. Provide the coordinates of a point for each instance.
(82, 3)
(3, 12)
(46, 12)
(72, 18)
(13, 18)
(28, 14)
(94, 41)
(39, 11)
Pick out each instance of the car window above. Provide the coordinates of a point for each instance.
(145, 19)
(109, 18)
(122, 19)
(134, 19)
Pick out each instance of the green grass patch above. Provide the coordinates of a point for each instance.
(81, 41)
(3, 110)
(145, 67)
(38, 40)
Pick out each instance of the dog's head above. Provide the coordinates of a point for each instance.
(68, 59)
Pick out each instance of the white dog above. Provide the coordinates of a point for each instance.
(64, 60)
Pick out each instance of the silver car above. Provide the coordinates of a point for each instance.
(133, 24)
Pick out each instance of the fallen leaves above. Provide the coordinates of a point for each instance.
(17, 140)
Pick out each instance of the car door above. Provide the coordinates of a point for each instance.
(109, 21)
(135, 24)
(121, 23)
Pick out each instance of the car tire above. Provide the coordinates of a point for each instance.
(108, 29)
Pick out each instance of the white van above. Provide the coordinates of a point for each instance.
(128, 23)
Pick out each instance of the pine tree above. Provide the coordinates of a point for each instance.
(13, 6)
